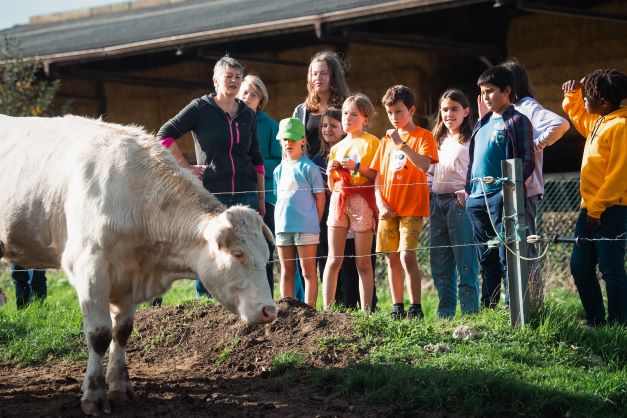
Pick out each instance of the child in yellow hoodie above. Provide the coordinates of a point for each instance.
(593, 106)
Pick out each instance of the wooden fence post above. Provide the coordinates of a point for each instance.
(516, 239)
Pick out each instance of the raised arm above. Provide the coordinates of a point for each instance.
(574, 107)
(421, 162)
(549, 126)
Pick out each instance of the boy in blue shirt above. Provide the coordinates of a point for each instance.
(299, 208)
(503, 133)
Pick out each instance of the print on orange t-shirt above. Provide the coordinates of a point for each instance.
(399, 176)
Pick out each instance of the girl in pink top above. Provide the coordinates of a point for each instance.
(450, 225)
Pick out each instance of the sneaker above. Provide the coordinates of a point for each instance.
(397, 315)
(415, 314)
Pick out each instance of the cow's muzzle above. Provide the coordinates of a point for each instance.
(268, 314)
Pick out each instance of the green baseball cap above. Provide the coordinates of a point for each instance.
(291, 128)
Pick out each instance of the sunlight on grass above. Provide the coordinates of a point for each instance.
(551, 367)
(289, 360)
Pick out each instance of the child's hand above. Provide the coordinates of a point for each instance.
(483, 109)
(394, 135)
(572, 85)
(333, 165)
(460, 198)
(348, 164)
(385, 211)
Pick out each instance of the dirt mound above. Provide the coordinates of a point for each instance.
(214, 340)
(198, 360)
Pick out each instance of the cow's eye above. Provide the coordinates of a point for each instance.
(239, 255)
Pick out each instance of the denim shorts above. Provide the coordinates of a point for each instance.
(296, 238)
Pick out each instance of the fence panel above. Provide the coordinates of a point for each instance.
(557, 214)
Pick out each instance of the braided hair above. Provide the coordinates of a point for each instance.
(608, 84)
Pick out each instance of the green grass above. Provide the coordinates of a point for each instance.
(52, 330)
(227, 350)
(289, 360)
(550, 368)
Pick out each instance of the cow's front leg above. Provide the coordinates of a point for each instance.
(118, 382)
(92, 287)
(98, 337)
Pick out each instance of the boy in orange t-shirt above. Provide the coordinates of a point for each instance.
(402, 195)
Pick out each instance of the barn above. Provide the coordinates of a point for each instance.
(141, 61)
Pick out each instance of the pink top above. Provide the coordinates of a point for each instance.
(449, 175)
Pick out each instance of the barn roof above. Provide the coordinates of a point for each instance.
(198, 21)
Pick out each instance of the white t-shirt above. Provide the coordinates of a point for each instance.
(449, 175)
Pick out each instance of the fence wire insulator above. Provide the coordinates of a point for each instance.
(567, 240)
(493, 243)
(533, 239)
(488, 180)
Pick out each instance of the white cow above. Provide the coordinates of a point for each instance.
(116, 212)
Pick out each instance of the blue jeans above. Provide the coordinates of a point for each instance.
(450, 226)
(610, 256)
(228, 200)
(492, 260)
(29, 285)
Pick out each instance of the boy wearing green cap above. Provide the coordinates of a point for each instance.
(299, 207)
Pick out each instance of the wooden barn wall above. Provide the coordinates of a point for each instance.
(552, 48)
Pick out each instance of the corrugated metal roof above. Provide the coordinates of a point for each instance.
(193, 21)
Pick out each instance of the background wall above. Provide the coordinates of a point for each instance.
(552, 48)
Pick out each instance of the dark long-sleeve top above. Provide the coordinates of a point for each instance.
(519, 141)
(229, 147)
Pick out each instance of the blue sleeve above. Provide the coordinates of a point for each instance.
(255, 153)
(274, 147)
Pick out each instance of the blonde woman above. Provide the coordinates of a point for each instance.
(254, 93)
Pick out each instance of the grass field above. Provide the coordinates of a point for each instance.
(552, 365)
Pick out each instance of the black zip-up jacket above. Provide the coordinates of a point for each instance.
(228, 146)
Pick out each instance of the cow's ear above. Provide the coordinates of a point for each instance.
(221, 232)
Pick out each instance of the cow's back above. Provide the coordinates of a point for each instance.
(55, 173)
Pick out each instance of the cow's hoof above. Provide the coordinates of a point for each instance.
(94, 408)
(119, 398)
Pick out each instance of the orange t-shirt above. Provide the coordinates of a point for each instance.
(395, 169)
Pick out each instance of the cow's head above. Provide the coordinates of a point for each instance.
(235, 271)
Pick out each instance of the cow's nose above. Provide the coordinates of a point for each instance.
(268, 313)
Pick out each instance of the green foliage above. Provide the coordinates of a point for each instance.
(22, 91)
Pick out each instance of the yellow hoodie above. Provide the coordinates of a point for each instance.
(604, 163)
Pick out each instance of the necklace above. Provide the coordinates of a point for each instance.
(595, 128)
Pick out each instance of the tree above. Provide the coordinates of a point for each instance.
(22, 91)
